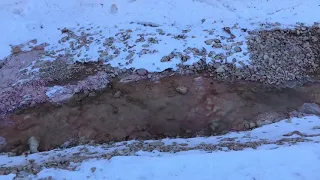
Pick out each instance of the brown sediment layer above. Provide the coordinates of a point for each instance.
(174, 106)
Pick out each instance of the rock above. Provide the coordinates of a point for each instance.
(263, 122)
(220, 69)
(156, 143)
(151, 24)
(310, 108)
(252, 125)
(214, 125)
(316, 127)
(16, 50)
(217, 45)
(117, 94)
(38, 47)
(33, 143)
(237, 49)
(182, 89)
(3, 142)
(165, 59)
(209, 41)
(93, 169)
(142, 72)
(217, 40)
(130, 56)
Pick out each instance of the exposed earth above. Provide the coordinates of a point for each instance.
(96, 103)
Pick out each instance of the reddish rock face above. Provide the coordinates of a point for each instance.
(147, 109)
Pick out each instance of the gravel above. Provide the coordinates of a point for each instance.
(279, 56)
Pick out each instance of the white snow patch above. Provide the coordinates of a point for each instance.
(53, 91)
(295, 162)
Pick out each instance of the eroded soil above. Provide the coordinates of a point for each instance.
(151, 110)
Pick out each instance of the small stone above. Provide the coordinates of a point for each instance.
(16, 50)
(209, 41)
(310, 108)
(117, 94)
(145, 45)
(217, 40)
(33, 144)
(220, 69)
(217, 45)
(156, 143)
(185, 58)
(39, 47)
(252, 125)
(214, 125)
(142, 72)
(130, 56)
(182, 89)
(93, 169)
(211, 54)
(165, 59)
(237, 49)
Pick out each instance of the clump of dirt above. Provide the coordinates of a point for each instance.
(146, 110)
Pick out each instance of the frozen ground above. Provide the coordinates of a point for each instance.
(180, 24)
(288, 149)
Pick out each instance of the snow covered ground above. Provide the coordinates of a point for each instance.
(288, 149)
(140, 33)
(179, 25)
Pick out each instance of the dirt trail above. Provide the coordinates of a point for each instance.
(147, 110)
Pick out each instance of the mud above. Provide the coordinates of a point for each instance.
(152, 110)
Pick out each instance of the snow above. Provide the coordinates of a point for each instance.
(281, 163)
(197, 20)
(52, 91)
(26, 20)
(286, 161)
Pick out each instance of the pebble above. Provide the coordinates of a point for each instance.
(16, 50)
(156, 143)
(310, 108)
(220, 69)
(217, 40)
(117, 94)
(33, 143)
(142, 72)
(237, 49)
(165, 59)
(217, 45)
(182, 89)
(130, 56)
(209, 41)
